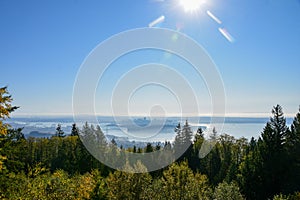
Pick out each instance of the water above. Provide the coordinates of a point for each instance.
(140, 129)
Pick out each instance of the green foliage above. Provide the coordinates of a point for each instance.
(5, 109)
(49, 186)
(75, 130)
(280, 197)
(62, 168)
(266, 169)
(148, 148)
(227, 191)
(183, 142)
(179, 182)
(100, 190)
(293, 158)
(124, 185)
(59, 131)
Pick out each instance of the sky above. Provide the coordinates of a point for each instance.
(44, 43)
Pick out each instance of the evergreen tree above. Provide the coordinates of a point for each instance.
(5, 109)
(113, 142)
(178, 138)
(75, 130)
(227, 160)
(199, 135)
(187, 134)
(296, 126)
(157, 147)
(15, 134)
(167, 145)
(195, 163)
(148, 148)
(59, 131)
(101, 139)
(293, 152)
(273, 153)
(214, 136)
(265, 168)
(239, 151)
(183, 141)
(278, 125)
(214, 165)
(250, 178)
(251, 146)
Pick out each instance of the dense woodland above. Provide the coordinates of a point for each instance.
(60, 167)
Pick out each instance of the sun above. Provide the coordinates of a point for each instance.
(190, 5)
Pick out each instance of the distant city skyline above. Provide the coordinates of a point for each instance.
(255, 45)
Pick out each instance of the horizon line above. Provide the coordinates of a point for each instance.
(239, 115)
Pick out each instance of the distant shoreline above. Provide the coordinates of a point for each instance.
(45, 126)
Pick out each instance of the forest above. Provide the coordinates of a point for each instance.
(61, 167)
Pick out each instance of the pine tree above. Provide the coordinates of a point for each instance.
(187, 133)
(149, 148)
(199, 135)
(59, 131)
(213, 136)
(74, 131)
(113, 142)
(293, 152)
(267, 164)
(195, 163)
(178, 138)
(167, 145)
(278, 125)
(101, 139)
(157, 147)
(183, 141)
(15, 134)
(293, 138)
(5, 109)
(214, 165)
(273, 153)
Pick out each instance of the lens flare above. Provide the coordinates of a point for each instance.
(225, 33)
(157, 21)
(213, 17)
(190, 5)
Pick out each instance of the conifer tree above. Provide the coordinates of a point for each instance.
(148, 148)
(101, 139)
(183, 141)
(273, 154)
(195, 163)
(75, 130)
(293, 152)
(59, 131)
(5, 109)
(265, 168)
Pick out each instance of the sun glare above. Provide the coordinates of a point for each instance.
(190, 5)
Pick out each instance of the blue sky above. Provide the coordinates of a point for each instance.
(43, 44)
